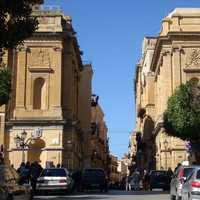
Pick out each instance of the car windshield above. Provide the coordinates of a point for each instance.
(187, 171)
(94, 172)
(53, 172)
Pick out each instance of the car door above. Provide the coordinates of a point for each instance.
(186, 186)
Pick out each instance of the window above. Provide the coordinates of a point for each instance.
(54, 173)
(39, 94)
(198, 174)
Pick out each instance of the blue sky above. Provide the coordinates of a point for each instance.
(110, 33)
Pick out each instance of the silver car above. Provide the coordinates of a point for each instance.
(10, 187)
(180, 175)
(53, 179)
(191, 188)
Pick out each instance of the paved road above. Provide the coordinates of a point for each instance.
(111, 195)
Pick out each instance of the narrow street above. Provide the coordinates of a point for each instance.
(112, 195)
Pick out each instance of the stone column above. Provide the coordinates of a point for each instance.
(176, 68)
(55, 82)
(21, 79)
(166, 77)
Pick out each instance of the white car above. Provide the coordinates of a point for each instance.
(191, 187)
(54, 179)
(176, 185)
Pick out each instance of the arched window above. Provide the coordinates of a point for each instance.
(39, 94)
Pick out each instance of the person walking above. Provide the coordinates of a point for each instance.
(36, 170)
(146, 180)
(23, 173)
(128, 185)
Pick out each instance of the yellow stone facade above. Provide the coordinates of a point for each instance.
(51, 91)
(99, 150)
(167, 61)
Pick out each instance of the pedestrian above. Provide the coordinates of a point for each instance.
(128, 185)
(28, 171)
(58, 165)
(170, 172)
(36, 170)
(136, 180)
(169, 175)
(146, 180)
(23, 173)
(178, 165)
(1, 159)
(77, 178)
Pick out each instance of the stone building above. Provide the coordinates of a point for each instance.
(175, 60)
(113, 173)
(50, 97)
(99, 149)
(122, 169)
(132, 149)
(144, 95)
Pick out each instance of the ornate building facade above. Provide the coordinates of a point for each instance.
(51, 93)
(174, 60)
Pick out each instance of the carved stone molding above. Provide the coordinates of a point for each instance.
(59, 49)
(193, 58)
(165, 52)
(40, 69)
(21, 49)
(39, 57)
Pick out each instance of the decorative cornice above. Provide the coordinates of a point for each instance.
(35, 122)
(191, 70)
(40, 69)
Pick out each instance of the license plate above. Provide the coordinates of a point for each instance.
(53, 182)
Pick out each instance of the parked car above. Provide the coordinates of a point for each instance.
(9, 185)
(159, 179)
(94, 178)
(176, 185)
(54, 179)
(191, 187)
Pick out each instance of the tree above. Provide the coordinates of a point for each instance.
(5, 85)
(182, 117)
(16, 24)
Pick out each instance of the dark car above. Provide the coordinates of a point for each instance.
(94, 179)
(10, 187)
(159, 179)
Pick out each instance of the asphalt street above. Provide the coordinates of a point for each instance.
(111, 195)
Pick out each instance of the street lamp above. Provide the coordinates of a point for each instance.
(165, 145)
(22, 142)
